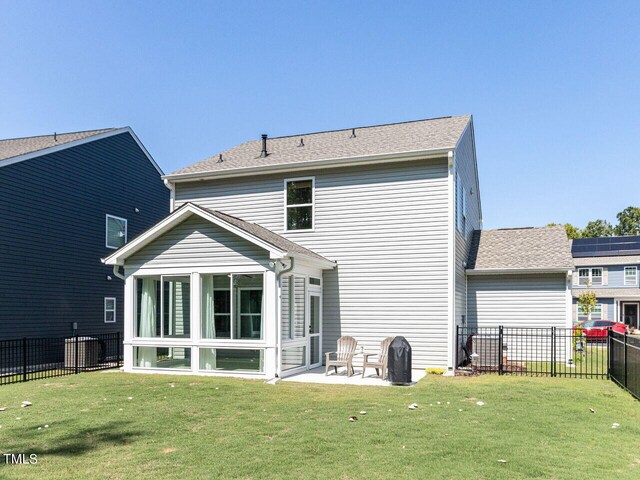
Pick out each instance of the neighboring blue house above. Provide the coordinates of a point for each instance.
(609, 267)
(66, 201)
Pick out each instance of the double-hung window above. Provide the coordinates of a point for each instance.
(630, 276)
(590, 276)
(299, 208)
(596, 313)
(109, 310)
(116, 231)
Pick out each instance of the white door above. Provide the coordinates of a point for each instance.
(314, 327)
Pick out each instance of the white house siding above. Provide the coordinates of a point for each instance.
(385, 225)
(525, 302)
(197, 242)
(517, 300)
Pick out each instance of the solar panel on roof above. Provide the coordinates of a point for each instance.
(605, 246)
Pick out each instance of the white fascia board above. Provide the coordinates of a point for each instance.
(82, 141)
(323, 163)
(321, 263)
(517, 271)
(171, 221)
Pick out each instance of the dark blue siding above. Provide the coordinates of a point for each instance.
(52, 234)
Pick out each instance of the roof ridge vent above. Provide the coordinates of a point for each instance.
(264, 152)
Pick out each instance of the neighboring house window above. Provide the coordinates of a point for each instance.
(630, 275)
(109, 310)
(590, 276)
(299, 194)
(596, 313)
(116, 231)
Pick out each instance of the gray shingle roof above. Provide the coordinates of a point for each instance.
(14, 147)
(264, 234)
(433, 134)
(520, 248)
(616, 260)
(608, 292)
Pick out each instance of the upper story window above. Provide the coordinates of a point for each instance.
(631, 275)
(116, 231)
(299, 209)
(461, 206)
(590, 276)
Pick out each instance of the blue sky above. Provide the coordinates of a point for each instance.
(554, 87)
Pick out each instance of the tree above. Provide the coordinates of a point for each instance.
(597, 228)
(587, 301)
(572, 232)
(628, 221)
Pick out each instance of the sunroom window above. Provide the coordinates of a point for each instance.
(232, 306)
(164, 307)
(299, 204)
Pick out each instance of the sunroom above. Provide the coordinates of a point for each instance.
(210, 294)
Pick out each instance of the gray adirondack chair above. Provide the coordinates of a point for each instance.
(343, 357)
(381, 363)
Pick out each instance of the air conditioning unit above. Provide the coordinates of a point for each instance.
(485, 351)
(89, 352)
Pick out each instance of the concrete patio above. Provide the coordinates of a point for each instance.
(371, 379)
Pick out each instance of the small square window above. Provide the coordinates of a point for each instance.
(116, 232)
(109, 310)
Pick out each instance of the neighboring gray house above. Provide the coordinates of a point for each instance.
(609, 267)
(520, 277)
(66, 200)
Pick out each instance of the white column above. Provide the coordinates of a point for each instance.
(270, 323)
(196, 330)
(129, 320)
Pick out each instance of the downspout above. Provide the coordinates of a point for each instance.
(172, 194)
(116, 272)
(279, 313)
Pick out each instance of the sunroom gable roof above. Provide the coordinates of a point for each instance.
(276, 245)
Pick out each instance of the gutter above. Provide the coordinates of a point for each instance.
(172, 194)
(516, 271)
(323, 163)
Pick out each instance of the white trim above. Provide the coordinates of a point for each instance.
(312, 204)
(516, 271)
(75, 143)
(451, 265)
(313, 164)
(106, 232)
(106, 299)
(635, 282)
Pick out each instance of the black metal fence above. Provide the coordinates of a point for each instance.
(25, 359)
(552, 351)
(624, 361)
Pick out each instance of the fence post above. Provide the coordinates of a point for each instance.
(118, 358)
(77, 355)
(625, 359)
(609, 352)
(500, 350)
(457, 345)
(24, 359)
(553, 351)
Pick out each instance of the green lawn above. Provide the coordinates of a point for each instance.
(193, 427)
